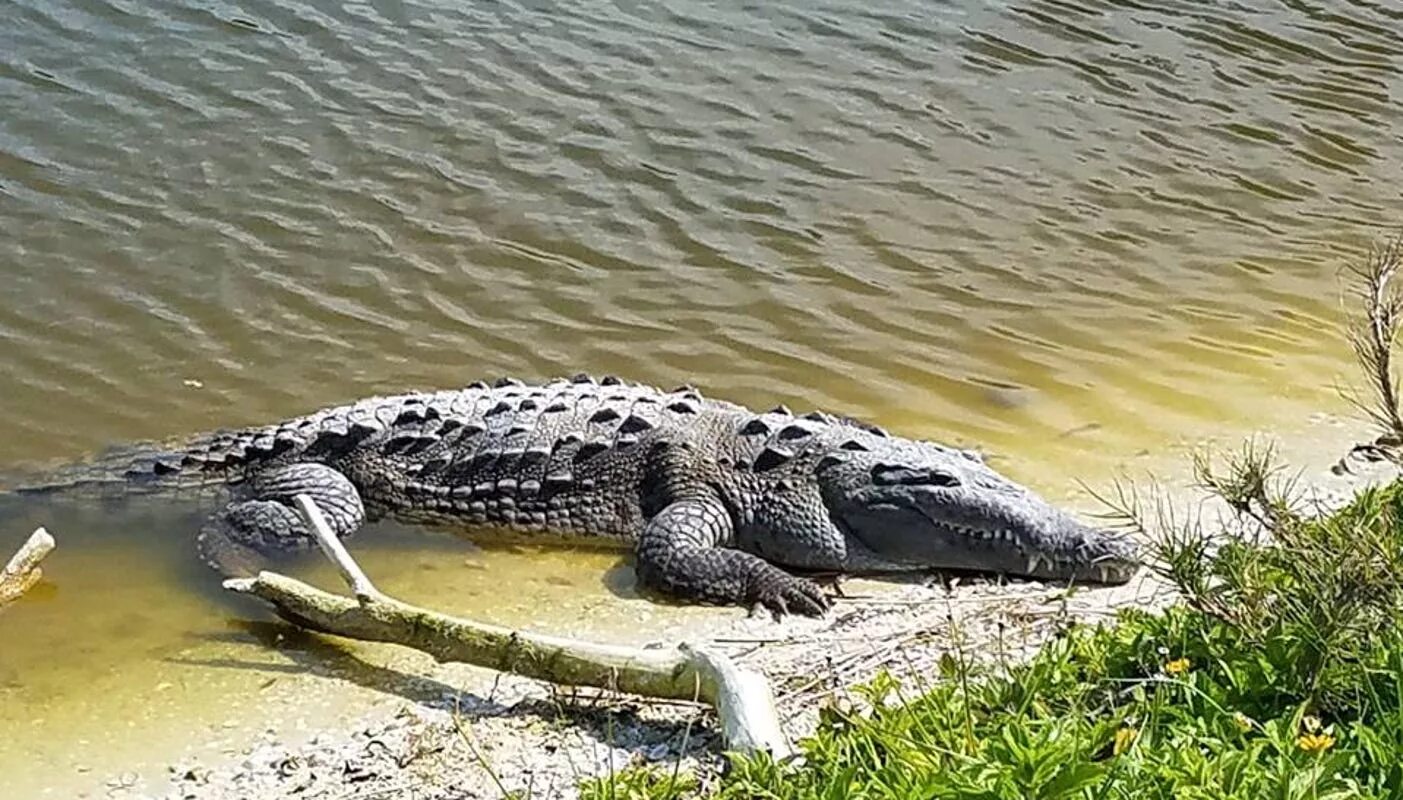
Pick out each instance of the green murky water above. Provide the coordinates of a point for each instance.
(1071, 232)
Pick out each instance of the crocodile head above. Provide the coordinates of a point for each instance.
(908, 505)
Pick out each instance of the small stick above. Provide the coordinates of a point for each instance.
(20, 575)
(336, 552)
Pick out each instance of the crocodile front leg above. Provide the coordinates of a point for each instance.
(681, 553)
(237, 539)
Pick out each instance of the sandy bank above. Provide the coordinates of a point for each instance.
(353, 721)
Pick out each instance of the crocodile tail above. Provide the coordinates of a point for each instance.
(208, 460)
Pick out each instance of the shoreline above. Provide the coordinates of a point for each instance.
(403, 726)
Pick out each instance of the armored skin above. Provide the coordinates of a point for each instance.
(716, 499)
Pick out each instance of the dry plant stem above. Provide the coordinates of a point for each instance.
(742, 698)
(1374, 336)
(20, 575)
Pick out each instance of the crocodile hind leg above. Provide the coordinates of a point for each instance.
(680, 553)
(238, 539)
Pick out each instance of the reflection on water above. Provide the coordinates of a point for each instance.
(1066, 231)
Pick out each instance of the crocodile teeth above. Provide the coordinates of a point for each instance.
(1106, 573)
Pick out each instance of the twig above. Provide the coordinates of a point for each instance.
(335, 551)
(20, 575)
(857, 661)
(743, 700)
(468, 740)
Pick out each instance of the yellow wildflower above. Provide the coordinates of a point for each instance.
(1243, 722)
(1124, 738)
(1177, 667)
(1315, 743)
(1315, 739)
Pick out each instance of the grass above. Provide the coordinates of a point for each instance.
(1279, 675)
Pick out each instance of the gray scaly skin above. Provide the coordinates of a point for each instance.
(716, 498)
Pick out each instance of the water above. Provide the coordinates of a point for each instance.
(1069, 232)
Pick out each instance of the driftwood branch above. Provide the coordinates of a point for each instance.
(742, 698)
(20, 575)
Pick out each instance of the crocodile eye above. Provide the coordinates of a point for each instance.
(892, 475)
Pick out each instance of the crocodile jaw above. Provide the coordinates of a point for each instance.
(994, 527)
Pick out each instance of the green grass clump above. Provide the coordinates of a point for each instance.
(1279, 676)
(640, 783)
(1154, 706)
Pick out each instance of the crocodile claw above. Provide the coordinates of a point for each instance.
(787, 594)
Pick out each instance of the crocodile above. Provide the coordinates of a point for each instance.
(721, 504)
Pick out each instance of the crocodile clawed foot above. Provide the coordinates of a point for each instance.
(228, 557)
(786, 594)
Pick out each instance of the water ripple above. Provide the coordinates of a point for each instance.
(1108, 213)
